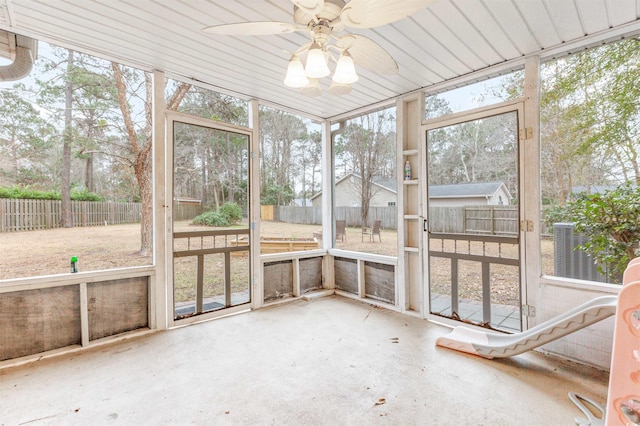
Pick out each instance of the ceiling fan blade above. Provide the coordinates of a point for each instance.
(253, 28)
(312, 7)
(373, 13)
(368, 54)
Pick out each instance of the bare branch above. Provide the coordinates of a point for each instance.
(179, 94)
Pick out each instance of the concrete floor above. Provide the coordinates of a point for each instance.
(326, 361)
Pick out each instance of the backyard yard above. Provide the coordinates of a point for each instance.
(48, 252)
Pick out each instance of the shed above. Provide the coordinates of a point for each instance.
(187, 201)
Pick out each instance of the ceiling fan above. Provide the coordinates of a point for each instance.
(323, 19)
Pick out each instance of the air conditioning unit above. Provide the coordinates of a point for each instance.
(571, 262)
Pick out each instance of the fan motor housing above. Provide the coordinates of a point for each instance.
(330, 11)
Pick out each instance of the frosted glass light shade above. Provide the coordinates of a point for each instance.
(339, 88)
(312, 89)
(345, 70)
(295, 77)
(316, 63)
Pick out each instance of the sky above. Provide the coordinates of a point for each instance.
(468, 97)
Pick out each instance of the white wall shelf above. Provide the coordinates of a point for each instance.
(410, 110)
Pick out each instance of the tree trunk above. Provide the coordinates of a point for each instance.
(142, 170)
(88, 168)
(15, 156)
(204, 178)
(230, 161)
(65, 190)
(141, 152)
(88, 174)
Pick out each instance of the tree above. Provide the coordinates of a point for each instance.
(96, 103)
(610, 221)
(614, 112)
(483, 150)
(67, 140)
(367, 148)
(308, 165)
(435, 106)
(279, 134)
(590, 119)
(25, 137)
(140, 140)
(78, 90)
(213, 158)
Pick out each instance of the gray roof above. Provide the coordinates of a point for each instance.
(456, 190)
(389, 183)
(462, 190)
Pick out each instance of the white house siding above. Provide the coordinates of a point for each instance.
(382, 198)
(347, 194)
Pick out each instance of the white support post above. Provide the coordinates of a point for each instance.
(158, 285)
(361, 281)
(530, 152)
(84, 315)
(401, 276)
(257, 281)
(328, 273)
(296, 277)
(411, 286)
(328, 234)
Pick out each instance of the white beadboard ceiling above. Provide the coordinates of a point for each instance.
(449, 39)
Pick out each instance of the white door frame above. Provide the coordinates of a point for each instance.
(526, 173)
(171, 118)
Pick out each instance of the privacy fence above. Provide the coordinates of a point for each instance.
(313, 215)
(29, 215)
(26, 215)
(494, 220)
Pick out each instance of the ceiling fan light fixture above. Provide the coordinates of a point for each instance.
(339, 88)
(316, 62)
(345, 69)
(296, 76)
(312, 89)
(323, 20)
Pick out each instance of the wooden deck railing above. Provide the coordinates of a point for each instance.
(201, 243)
(488, 250)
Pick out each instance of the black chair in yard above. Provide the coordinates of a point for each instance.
(372, 231)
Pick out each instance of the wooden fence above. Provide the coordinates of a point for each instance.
(491, 220)
(186, 211)
(388, 216)
(29, 215)
(313, 215)
(448, 220)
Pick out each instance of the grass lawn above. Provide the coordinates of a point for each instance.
(48, 252)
